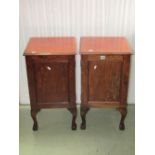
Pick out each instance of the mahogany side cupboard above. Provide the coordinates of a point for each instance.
(51, 75)
(105, 65)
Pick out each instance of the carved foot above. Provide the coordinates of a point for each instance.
(83, 117)
(74, 126)
(123, 112)
(33, 115)
(35, 126)
(121, 126)
(74, 114)
(83, 124)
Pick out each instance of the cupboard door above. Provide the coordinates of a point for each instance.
(104, 78)
(51, 78)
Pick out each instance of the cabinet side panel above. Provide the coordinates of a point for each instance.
(31, 80)
(84, 81)
(125, 79)
(71, 77)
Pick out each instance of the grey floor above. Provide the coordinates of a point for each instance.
(54, 137)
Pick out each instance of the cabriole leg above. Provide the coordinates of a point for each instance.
(83, 117)
(74, 115)
(33, 115)
(123, 112)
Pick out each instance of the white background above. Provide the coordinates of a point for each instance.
(75, 18)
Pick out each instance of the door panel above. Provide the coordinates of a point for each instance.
(104, 78)
(51, 81)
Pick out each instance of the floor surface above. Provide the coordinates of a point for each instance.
(55, 137)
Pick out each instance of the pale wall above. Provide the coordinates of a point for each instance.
(75, 18)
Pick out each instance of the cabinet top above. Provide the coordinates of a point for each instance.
(104, 45)
(51, 46)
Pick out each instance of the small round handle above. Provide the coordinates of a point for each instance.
(48, 68)
(95, 66)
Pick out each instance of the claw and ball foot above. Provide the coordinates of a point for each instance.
(83, 117)
(123, 112)
(74, 114)
(33, 115)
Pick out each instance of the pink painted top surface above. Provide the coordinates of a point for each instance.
(104, 45)
(51, 46)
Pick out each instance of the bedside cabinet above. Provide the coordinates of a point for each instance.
(105, 63)
(51, 75)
